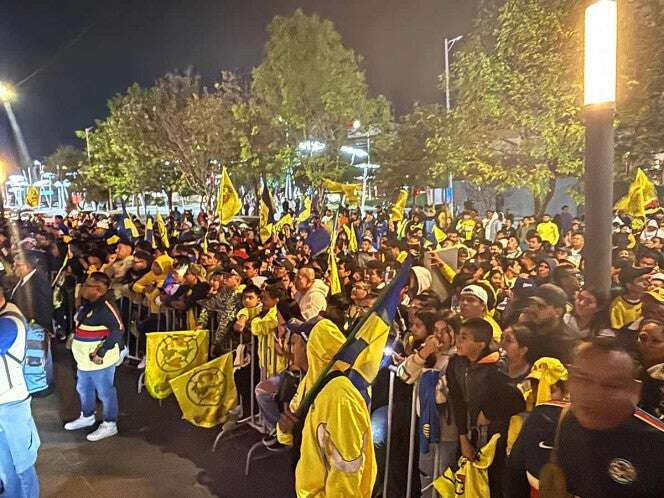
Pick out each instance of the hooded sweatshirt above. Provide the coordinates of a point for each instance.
(165, 263)
(313, 301)
(336, 455)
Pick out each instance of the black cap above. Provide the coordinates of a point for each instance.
(551, 294)
(629, 273)
(285, 263)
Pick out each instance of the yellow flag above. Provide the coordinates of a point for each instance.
(228, 202)
(32, 196)
(352, 238)
(170, 354)
(207, 393)
(642, 195)
(305, 214)
(351, 191)
(335, 283)
(397, 211)
(131, 226)
(285, 220)
(472, 478)
(163, 231)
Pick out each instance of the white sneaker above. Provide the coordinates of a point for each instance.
(105, 429)
(141, 364)
(124, 352)
(80, 423)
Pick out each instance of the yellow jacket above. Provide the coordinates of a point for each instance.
(549, 232)
(165, 263)
(337, 456)
(324, 342)
(265, 328)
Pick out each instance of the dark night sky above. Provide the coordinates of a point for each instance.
(138, 40)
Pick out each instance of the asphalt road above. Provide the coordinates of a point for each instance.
(156, 454)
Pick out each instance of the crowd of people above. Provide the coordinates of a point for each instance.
(495, 334)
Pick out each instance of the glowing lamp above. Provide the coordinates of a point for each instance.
(600, 53)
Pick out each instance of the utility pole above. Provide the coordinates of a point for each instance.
(447, 49)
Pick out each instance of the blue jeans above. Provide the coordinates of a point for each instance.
(93, 384)
(266, 396)
(19, 443)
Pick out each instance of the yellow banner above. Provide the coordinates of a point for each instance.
(169, 355)
(32, 196)
(396, 213)
(207, 393)
(228, 202)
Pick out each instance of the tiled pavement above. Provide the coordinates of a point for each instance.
(156, 453)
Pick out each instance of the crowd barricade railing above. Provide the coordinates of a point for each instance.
(411, 449)
(253, 420)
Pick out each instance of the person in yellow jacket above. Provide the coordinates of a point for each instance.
(149, 284)
(336, 453)
(548, 230)
(271, 355)
(626, 308)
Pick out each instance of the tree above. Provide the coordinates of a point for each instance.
(640, 99)
(402, 149)
(517, 120)
(309, 86)
(65, 159)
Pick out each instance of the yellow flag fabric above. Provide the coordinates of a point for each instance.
(335, 283)
(149, 232)
(32, 196)
(472, 478)
(163, 231)
(131, 226)
(228, 202)
(352, 238)
(642, 195)
(204, 244)
(283, 221)
(207, 393)
(351, 191)
(305, 214)
(397, 211)
(265, 226)
(169, 355)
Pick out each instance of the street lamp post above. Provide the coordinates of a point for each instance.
(599, 110)
(448, 48)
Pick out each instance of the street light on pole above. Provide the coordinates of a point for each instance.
(601, 26)
(448, 48)
(7, 95)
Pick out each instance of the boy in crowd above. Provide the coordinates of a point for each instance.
(483, 400)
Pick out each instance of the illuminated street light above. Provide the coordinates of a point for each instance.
(600, 105)
(7, 93)
(310, 147)
(600, 53)
(354, 151)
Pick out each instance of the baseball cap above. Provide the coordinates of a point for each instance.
(475, 291)
(196, 270)
(550, 294)
(629, 273)
(285, 263)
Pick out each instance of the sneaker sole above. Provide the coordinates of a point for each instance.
(94, 440)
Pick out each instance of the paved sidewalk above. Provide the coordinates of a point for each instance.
(156, 453)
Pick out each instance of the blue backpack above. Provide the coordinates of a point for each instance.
(38, 362)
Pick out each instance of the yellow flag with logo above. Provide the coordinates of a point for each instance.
(228, 202)
(169, 355)
(207, 393)
(396, 213)
(32, 196)
(472, 478)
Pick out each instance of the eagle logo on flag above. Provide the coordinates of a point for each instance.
(205, 387)
(176, 353)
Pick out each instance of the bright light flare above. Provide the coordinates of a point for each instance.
(600, 52)
(7, 93)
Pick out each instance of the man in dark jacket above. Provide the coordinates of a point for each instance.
(32, 294)
(481, 396)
